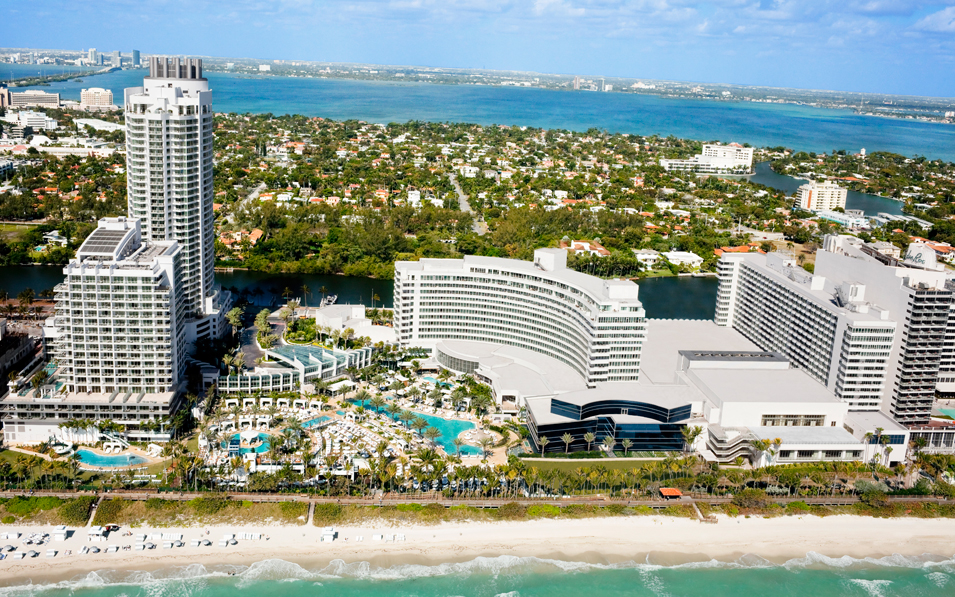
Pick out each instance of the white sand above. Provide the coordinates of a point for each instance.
(599, 540)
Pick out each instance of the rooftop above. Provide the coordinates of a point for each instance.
(666, 338)
(761, 385)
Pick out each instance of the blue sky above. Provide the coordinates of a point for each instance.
(891, 46)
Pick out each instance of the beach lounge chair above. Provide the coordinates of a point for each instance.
(195, 543)
(112, 549)
(17, 555)
(139, 547)
(224, 543)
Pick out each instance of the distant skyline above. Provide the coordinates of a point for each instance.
(882, 46)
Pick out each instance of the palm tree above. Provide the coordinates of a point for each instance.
(377, 402)
(305, 292)
(627, 444)
(690, 434)
(544, 440)
(457, 443)
(589, 437)
(609, 442)
(323, 289)
(487, 443)
(287, 293)
(432, 434)
(567, 438)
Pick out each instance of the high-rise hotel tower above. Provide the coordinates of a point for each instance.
(169, 179)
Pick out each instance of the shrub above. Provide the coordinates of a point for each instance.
(77, 511)
(108, 511)
(8, 520)
(157, 503)
(797, 507)
(874, 498)
(731, 510)
(434, 511)
(327, 513)
(511, 511)
(25, 506)
(207, 506)
(577, 511)
(751, 498)
(409, 507)
(543, 511)
(292, 510)
(615, 509)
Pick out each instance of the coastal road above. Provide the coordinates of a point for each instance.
(479, 226)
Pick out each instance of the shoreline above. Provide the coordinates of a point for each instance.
(654, 540)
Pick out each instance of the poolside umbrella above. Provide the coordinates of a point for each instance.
(32, 554)
(7, 548)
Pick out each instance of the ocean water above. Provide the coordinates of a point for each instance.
(760, 124)
(508, 576)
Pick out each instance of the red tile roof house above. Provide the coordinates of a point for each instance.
(584, 247)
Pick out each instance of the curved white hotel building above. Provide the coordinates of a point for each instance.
(595, 326)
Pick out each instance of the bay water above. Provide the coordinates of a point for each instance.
(760, 124)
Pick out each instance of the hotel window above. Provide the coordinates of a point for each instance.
(805, 454)
(784, 454)
(833, 454)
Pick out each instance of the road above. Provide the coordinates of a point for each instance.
(244, 203)
(479, 226)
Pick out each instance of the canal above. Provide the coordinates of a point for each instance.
(682, 297)
(870, 204)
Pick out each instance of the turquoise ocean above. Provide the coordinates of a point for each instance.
(508, 576)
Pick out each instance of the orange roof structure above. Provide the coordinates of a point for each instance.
(670, 492)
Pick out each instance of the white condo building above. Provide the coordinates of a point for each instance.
(169, 180)
(715, 159)
(595, 326)
(820, 196)
(868, 326)
(117, 338)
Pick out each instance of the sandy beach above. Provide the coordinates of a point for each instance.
(660, 540)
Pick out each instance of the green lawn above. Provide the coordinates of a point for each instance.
(11, 231)
(566, 465)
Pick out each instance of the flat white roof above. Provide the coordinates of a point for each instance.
(796, 436)
(762, 385)
(660, 356)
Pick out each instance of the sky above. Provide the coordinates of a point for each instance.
(885, 46)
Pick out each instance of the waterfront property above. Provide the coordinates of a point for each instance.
(594, 326)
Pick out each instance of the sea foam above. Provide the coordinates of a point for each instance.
(192, 579)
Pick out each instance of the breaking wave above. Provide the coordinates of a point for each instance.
(192, 579)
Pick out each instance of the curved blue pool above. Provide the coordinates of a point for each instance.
(450, 430)
(109, 460)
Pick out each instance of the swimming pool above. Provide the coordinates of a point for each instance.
(315, 422)
(109, 460)
(948, 411)
(450, 430)
(262, 447)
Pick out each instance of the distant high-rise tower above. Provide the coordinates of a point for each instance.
(169, 179)
(91, 56)
(135, 58)
(576, 83)
(117, 59)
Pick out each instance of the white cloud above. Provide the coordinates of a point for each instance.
(942, 21)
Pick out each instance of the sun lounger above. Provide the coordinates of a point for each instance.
(18, 555)
(139, 547)
(112, 549)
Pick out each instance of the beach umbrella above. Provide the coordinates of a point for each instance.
(32, 554)
(7, 548)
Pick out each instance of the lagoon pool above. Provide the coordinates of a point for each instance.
(262, 447)
(948, 411)
(450, 430)
(315, 422)
(109, 460)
